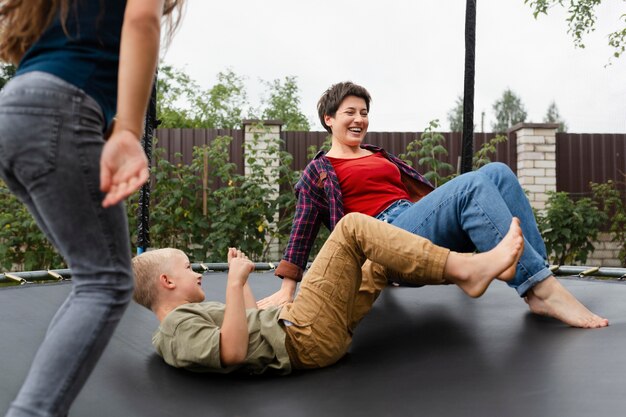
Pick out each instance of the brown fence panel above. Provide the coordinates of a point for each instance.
(297, 143)
(184, 140)
(589, 157)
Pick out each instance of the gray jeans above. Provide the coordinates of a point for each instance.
(50, 145)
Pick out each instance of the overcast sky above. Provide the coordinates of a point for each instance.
(409, 54)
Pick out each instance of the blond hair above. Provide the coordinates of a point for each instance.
(23, 21)
(147, 268)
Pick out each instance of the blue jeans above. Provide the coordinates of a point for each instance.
(474, 212)
(50, 145)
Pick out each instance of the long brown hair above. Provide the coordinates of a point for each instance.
(23, 21)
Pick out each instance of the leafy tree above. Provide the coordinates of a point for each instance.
(581, 20)
(182, 103)
(283, 104)
(553, 116)
(7, 71)
(455, 116)
(226, 103)
(509, 110)
(176, 95)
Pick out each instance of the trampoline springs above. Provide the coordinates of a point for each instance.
(35, 277)
(55, 275)
(15, 278)
(223, 266)
(589, 271)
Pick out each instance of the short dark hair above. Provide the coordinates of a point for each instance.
(330, 101)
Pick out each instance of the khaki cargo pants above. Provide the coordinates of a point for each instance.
(332, 299)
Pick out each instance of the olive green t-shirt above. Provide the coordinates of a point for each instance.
(189, 337)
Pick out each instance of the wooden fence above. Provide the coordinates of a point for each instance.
(581, 158)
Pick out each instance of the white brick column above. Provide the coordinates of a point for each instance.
(260, 135)
(536, 160)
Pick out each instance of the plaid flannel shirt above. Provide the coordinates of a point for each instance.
(319, 201)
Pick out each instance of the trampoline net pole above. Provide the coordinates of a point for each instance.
(468, 93)
(143, 210)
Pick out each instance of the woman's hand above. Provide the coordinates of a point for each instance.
(281, 297)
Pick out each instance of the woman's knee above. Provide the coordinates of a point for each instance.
(498, 172)
(496, 167)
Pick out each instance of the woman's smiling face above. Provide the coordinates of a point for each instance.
(349, 125)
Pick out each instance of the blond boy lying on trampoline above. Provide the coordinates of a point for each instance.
(316, 329)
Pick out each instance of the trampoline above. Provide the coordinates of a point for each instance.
(427, 351)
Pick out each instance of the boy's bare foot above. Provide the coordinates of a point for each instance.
(474, 274)
(550, 298)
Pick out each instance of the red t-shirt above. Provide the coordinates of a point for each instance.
(369, 184)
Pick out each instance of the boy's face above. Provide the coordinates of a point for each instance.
(188, 283)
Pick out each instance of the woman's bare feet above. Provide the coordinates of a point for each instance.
(474, 274)
(550, 298)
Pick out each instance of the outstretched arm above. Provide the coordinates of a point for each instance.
(234, 331)
(123, 164)
(306, 225)
(248, 296)
(283, 296)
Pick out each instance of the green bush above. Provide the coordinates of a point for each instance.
(611, 202)
(481, 156)
(23, 247)
(203, 220)
(429, 149)
(569, 227)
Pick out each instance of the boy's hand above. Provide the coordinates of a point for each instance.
(239, 266)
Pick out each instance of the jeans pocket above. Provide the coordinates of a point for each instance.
(29, 139)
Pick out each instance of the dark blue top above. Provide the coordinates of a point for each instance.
(89, 57)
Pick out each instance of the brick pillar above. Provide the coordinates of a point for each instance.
(536, 160)
(261, 136)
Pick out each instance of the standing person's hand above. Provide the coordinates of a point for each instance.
(123, 167)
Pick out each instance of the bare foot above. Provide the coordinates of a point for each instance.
(550, 298)
(474, 274)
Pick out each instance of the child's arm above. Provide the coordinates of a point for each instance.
(248, 296)
(234, 332)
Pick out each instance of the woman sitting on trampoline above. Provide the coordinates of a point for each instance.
(316, 329)
(470, 213)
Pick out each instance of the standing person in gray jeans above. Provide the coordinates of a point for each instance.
(79, 63)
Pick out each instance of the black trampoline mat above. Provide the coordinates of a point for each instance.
(427, 351)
